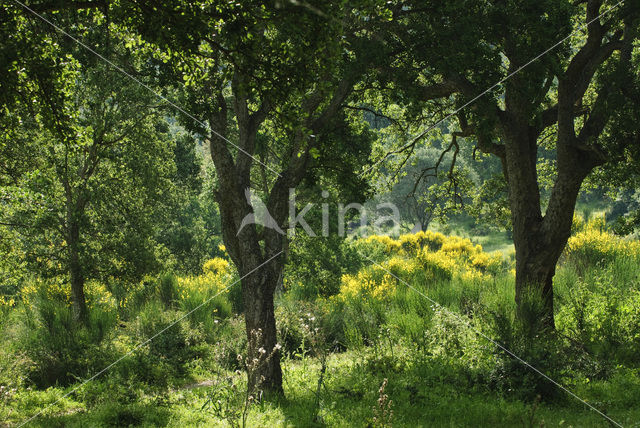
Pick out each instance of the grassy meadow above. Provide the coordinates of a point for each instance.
(363, 343)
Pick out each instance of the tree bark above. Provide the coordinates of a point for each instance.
(264, 372)
(534, 280)
(259, 280)
(259, 270)
(535, 266)
(249, 250)
(80, 312)
(539, 240)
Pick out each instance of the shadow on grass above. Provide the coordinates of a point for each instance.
(110, 415)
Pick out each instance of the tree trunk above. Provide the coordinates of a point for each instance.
(539, 241)
(248, 249)
(259, 281)
(535, 268)
(263, 356)
(80, 312)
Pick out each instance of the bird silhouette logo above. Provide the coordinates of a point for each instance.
(260, 215)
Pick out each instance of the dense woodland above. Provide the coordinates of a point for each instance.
(196, 196)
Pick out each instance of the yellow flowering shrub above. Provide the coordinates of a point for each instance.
(400, 266)
(440, 264)
(7, 301)
(471, 275)
(98, 295)
(387, 287)
(215, 265)
(355, 285)
(389, 244)
(364, 284)
(201, 285)
(593, 245)
(462, 246)
(214, 279)
(410, 243)
(486, 262)
(50, 289)
(431, 255)
(431, 240)
(578, 223)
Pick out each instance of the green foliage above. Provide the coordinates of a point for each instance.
(424, 191)
(426, 352)
(525, 336)
(601, 311)
(59, 351)
(591, 245)
(97, 181)
(166, 355)
(316, 264)
(168, 290)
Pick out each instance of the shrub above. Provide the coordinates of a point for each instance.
(412, 258)
(459, 246)
(165, 357)
(374, 283)
(315, 266)
(58, 348)
(207, 292)
(593, 246)
(353, 322)
(603, 313)
(216, 266)
(168, 289)
(450, 338)
(525, 336)
(302, 328)
(438, 264)
(230, 341)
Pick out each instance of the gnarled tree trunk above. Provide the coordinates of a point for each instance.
(259, 254)
(539, 240)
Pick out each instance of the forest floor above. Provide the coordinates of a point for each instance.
(348, 397)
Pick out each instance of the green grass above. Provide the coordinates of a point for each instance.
(421, 397)
(492, 240)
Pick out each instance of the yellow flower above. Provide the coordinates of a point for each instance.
(456, 244)
(592, 245)
(365, 285)
(215, 265)
(440, 263)
(471, 275)
(391, 245)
